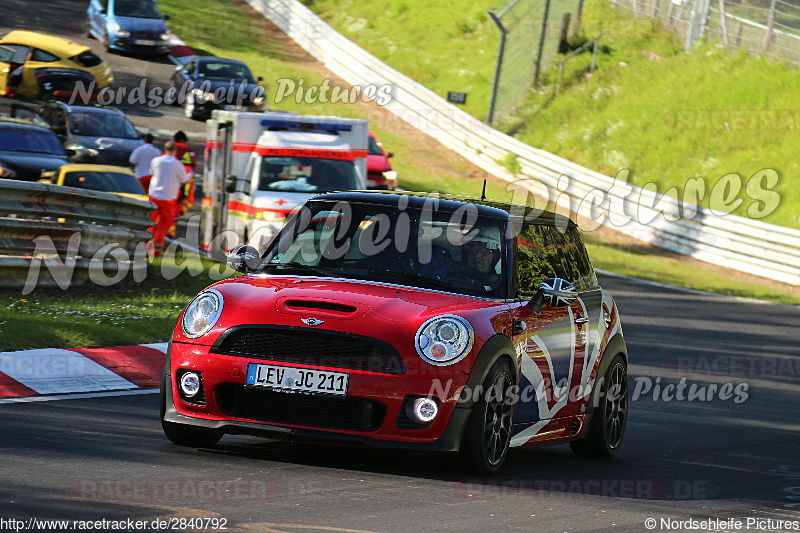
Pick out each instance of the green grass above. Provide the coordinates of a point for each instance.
(89, 316)
(705, 114)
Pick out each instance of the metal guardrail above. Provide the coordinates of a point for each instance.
(730, 241)
(61, 236)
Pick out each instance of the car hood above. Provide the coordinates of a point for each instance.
(110, 143)
(138, 25)
(398, 311)
(29, 167)
(377, 164)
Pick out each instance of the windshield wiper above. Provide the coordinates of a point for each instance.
(413, 278)
(303, 267)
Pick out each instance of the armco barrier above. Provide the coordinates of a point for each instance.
(64, 236)
(730, 241)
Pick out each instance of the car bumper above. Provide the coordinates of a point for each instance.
(381, 182)
(207, 107)
(371, 414)
(139, 46)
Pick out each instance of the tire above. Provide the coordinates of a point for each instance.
(607, 427)
(182, 434)
(486, 439)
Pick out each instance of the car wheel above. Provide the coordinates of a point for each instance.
(488, 434)
(610, 415)
(182, 434)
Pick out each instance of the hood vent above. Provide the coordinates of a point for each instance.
(309, 305)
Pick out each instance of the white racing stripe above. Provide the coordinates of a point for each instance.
(57, 371)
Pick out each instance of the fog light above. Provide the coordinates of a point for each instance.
(190, 384)
(422, 410)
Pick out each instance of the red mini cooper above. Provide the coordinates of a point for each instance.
(405, 320)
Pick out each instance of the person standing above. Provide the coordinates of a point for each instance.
(141, 157)
(168, 177)
(188, 157)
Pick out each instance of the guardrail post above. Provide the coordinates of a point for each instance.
(541, 42)
(770, 26)
(594, 54)
(723, 22)
(498, 68)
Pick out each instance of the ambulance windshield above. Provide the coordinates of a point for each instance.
(306, 174)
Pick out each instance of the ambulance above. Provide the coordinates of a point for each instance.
(262, 166)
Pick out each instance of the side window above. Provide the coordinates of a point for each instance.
(544, 252)
(43, 57)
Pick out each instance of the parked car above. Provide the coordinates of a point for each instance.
(208, 83)
(34, 65)
(405, 320)
(135, 26)
(27, 149)
(379, 170)
(105, 178)
(95, 134)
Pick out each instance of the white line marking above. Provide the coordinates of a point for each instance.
(77, 396)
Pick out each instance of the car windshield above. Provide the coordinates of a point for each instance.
(224, 72)
(306, 174)
(103, 181)
(457, 252)
(374, 149)
(142, 9)
(101, 124)
(35, 141)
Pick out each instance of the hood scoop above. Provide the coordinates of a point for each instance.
(320, 307)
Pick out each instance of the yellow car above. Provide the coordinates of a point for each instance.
(34, 64)
(106, 178)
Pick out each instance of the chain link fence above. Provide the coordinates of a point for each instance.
(768, 27)
(531, 32)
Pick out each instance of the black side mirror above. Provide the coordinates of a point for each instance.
(260, 79)
(166, 17)
(244, 259)
(230, 183)
(554, 292)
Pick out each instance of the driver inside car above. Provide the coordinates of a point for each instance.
(479, 257)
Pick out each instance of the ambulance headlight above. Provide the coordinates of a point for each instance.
(202, 313)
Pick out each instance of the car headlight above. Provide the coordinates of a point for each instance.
(116, 30)
(390, 175)
(7, 173)
(258, 100)
(202, 313)
(200, 94)
(164, 36)
(444, 340)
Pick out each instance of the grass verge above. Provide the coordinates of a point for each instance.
(123, 314)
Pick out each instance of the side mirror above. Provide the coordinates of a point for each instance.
(230, 183)
(260, 79)
(166, 17)
(244, 259)
(553, 292)
(389, 154)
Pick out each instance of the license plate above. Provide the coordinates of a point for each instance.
(291, 379)
(144, 42)
(232, 107)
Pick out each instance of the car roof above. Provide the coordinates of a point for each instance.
(449, 203)
(18, 124)
(51, 43)
(92, 109)
(219, 60)
(95, 168)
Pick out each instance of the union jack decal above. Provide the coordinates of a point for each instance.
(558, 292)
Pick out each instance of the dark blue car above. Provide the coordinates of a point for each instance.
(208, 83)
(135, 26)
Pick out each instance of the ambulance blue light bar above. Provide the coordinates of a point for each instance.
(296, 125)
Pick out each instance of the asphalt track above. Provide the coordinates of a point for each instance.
(105, 458)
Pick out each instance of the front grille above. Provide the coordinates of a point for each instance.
(307, 346)
(255, 403)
